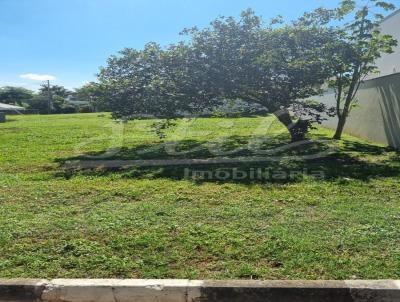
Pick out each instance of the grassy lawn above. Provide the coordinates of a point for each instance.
(151, 222)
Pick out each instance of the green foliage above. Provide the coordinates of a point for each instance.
(277, 66)
(68, 108)
(55, 90)
(353, 55)
(40, 103)
(133, 83)
(385, 5)
(232, 59)
(15, 95)
(57, 103)
(93, 93)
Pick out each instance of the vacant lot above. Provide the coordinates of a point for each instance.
(151, 222)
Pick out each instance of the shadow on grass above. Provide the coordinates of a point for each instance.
(240, 159)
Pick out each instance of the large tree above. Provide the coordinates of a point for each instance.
(276, 67)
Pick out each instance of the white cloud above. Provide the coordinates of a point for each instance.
(37, 77)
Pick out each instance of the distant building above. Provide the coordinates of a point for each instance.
(7, 109)
(390, 63)
(10, 108)
(75, 101)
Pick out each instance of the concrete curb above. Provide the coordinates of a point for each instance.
(136, 290)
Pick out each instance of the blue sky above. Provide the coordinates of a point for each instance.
(69, 39)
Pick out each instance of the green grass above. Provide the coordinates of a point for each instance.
(151, 222)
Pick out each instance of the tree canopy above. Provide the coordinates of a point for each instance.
(15, 95)
(276, 66)
(359, 43)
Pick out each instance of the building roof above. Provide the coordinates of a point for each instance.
(75, 101)
(7, 107)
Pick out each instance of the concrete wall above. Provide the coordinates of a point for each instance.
(390, 63)
(377, 115)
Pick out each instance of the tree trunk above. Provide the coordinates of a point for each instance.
(342, 117)
(297, 130)
(340, 127)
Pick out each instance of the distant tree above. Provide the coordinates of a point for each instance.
(68, 108)
(56, 99)
(15, 95)
(353, 55)
(39, 102)
(55, 90)
(93, 93)
(58, 102)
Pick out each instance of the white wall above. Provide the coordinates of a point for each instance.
(390, 63)
(377, 115)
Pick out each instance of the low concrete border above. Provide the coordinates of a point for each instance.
(136, 290)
